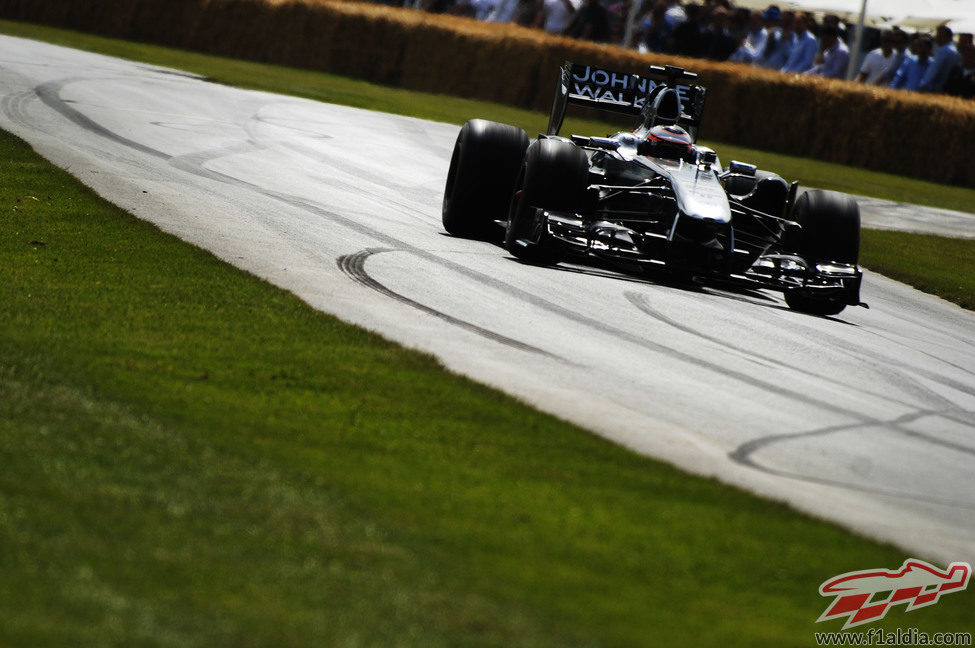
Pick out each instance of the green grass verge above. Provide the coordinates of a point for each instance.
(935, 264)
(192, 457)
(352, 92)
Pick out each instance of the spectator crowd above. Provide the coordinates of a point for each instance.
(792, 42)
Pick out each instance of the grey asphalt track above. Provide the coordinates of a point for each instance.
(887, 215)
(867, 419)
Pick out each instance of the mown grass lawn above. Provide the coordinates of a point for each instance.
(191, 457)
(935, 264)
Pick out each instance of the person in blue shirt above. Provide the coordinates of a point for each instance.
(804, 48)
(836, 55)
(901, 43)
(779, 44)
(945, 59)
(656, 30)
(913, 69)
(756, 36)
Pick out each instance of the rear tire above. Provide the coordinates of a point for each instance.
(554, 176)
(481, 178)
(830, 232)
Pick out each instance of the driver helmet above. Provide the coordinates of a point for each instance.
(671, 142)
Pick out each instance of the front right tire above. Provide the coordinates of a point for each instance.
(485, 163)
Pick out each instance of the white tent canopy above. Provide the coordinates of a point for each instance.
(915, 14)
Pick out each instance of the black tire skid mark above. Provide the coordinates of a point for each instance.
(291, 124)
(640, 301)
(14, 107)
(50, 94)
(170, 74)
(963, 369)
(187, 126)
(195, 162)
(959, 318)
(892, 361)
(417, 193)
(353, 266)
(417, 133)
(744, 454)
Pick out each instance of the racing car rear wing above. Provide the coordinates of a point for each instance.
(594, 87)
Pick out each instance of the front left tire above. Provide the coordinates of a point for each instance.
(830, 233)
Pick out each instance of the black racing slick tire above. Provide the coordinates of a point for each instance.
(830, 232)
(481, 179)
(830, 224)
(804, 302)
(553, 176)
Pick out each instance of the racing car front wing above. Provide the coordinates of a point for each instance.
(613, 240)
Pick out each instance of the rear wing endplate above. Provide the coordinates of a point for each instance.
(593, 87)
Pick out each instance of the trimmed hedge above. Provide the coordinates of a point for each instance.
(909, 134)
